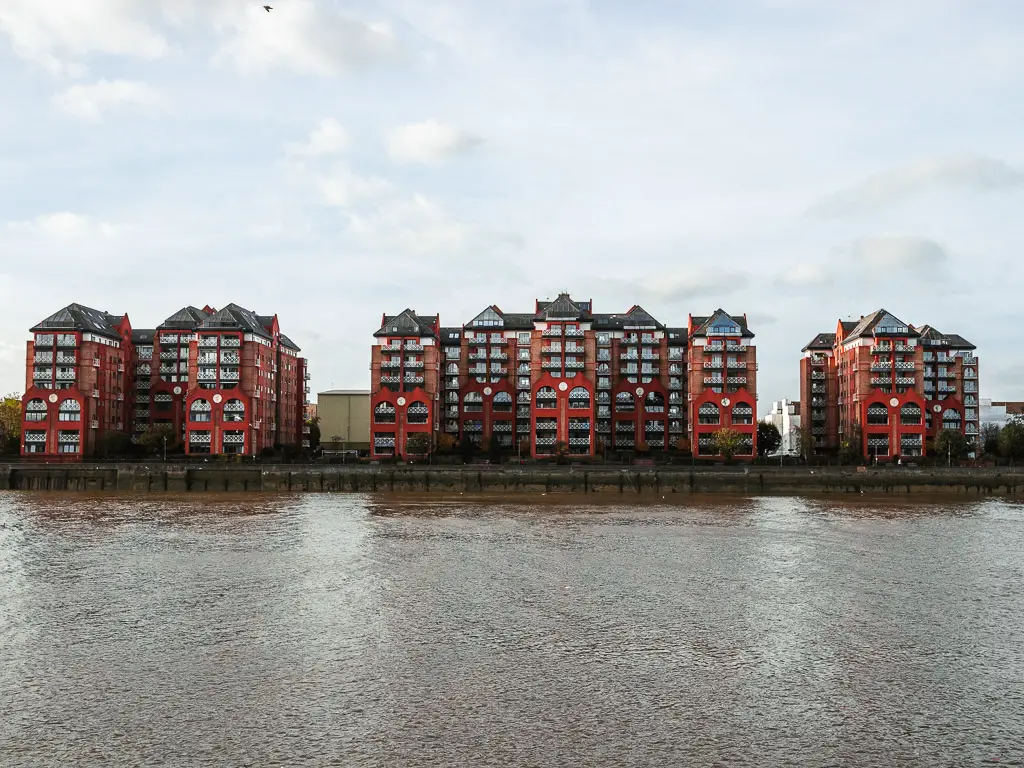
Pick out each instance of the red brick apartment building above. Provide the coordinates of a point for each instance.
(563, 373)
(900, 384)
(227, 381)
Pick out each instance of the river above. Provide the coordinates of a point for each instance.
(353, 630)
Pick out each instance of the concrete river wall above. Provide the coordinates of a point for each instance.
(499, 480)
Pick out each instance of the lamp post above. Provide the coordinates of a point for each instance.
(165, 449)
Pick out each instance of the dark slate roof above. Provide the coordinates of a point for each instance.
(677, 335)
(408, 323)
(701, 324)
(518, 321)
(143, 336)
(958, 341)
(821, 341)
(185, 319)
(866, 325)
(848, 325)
(562, 308)
(451, 336)
(234, 317)
(286, 342)
(75, 317)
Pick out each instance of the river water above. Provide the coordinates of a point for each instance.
(354, 631)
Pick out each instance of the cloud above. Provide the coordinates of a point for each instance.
(343, 188)
(90, 102)
(964, 171)
(429, 143)
(328, 138)
(414, 225)
(901, 253)
(65, 226)
(300, 38)
(56, 34)
(689, 283)
(803, 276)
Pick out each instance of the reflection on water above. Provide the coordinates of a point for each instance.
(418, 631)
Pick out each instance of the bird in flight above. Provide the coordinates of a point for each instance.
(269, 8)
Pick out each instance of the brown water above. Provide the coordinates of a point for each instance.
(347, 630)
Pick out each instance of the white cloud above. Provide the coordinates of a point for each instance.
(803, 276)
(965, 171)
(343, 188)
(328, 138)
(415, 225)
(429, 142)
(300, 37)
(90, 102)
(900, 253)
(65, 225)
(56, 33)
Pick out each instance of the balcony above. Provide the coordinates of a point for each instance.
(736, 380)
(708, 364)
(881, 349)
(390, 364)
(881, 366)
(654, 426)
(905, 365)
(629, 356)
(574, 365)
(383, 379)
(228, 375)
(390, 347)
(411, 346)
(169, 354)
(905, 381)
(95, 362)
(230, 358)
(715, 347)
(522, 383)
(552, 349)
(881, 381)
(551, 365)
(969, 360)
(495, 355)
(675, 353)
(649, 340)
(384, 442)
(732, 346)
(675, 383)
(574, 332)
(413, 379)
(625, 426)
(42, 374)
(414, 365)
(502, 426)
(66, 340)
(818, 389)
(649, 370)
(675, 427)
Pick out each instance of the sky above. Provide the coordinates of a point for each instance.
(794, 160)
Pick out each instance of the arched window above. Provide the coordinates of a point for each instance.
(742, 413)
(384, 413)
(910, 414)
(35, 410)
(878, 414)
(708, 413)
(579, 397)
(654, 402)
(201, 410)
(417, 412)
(452, 369)
(473, 402)
(502, 402)
(70, 410)
(234, 410)
(951, 419)
(546, 398)
(624, 402)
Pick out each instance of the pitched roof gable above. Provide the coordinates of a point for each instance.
(821, 341)
(881, 321)
(718, 319)
(407, 323)
(76, 317)
(186, 318)
(562, 308)
(234, 317)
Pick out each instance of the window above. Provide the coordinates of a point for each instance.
(523, 337)
(579, 397)
(201, 411)
(624, 402)
(502, 402)
(473, 402)
(417, 412)
(708, 413)
(70, 410)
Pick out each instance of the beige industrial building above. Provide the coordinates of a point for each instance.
(344, 419)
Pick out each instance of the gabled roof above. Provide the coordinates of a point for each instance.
(932, 335)
(286, 342)
(450, 337)
(76, 317)
(407, 323)
(143, 336)
(958, 341)
(876, 322)
(186, 318)
(821, 341)
(701, 325)
(518, 321)
(234, 317)
(562, 308)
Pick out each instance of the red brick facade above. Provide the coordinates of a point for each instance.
(226, 382)
(561, 374)
(898, 384)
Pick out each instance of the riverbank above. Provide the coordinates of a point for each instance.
(976, 482)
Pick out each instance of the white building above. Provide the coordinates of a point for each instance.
(785, 415)
(999, 412)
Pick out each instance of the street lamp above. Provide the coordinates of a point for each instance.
(165, 448)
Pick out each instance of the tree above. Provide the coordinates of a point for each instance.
(417, 444)
(804, 441)
(768, 438)
(115, 444)
(467, 449)
(494, 450)
(157, 436)
(445, 443)
(561, 452)
(10, 423)
(726, 442)
(641, 447)
(851, 447)
(950, 443)
(1011, 440)
(989, 438)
